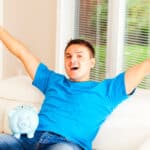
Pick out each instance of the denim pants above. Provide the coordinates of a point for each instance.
(40, 141)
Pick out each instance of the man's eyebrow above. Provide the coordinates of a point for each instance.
(67, 53)
(78, 52)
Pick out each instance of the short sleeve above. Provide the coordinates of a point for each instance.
(117, 90)
(41, 78)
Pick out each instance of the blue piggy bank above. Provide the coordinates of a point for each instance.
(23, 120)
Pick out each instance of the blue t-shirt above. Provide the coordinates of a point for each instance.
(76, 110)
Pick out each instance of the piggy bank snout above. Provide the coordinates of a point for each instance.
(23, 124)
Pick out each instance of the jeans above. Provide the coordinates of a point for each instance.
(40, 141)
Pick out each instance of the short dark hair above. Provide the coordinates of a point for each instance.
(81, 42)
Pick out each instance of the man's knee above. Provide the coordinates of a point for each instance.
(63, 146)
(9, 142)
(5, 138)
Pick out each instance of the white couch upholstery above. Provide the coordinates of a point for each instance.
(17, 91)
(127, 128)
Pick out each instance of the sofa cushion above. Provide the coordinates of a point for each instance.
(145, 145)
(128, 125)
(20, 88)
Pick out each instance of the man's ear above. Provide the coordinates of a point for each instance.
(93, 62)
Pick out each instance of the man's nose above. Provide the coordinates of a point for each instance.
(73, 59)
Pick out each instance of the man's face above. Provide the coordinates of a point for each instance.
(78, 62)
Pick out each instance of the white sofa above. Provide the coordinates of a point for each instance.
(127, 128)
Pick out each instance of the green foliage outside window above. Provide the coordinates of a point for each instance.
(137, 46)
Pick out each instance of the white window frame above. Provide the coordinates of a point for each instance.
(65, 25)
(115, 37)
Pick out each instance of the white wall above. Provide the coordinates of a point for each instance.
(34, 23)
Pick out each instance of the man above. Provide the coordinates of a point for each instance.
(75, 107)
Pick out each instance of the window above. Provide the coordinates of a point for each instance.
(119, 30)
(92, 26)
(137, 35)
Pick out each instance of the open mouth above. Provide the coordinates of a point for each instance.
(74, 68)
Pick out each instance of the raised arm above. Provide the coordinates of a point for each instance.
(136, 74)
(19, 50)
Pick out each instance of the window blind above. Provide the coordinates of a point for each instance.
(137, 35)
(92, 26)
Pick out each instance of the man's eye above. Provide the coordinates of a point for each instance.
(79, 56)
(67, 56)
